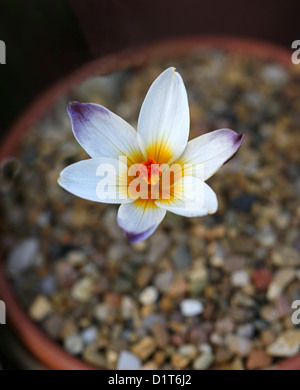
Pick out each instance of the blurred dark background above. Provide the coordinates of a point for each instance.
(46, 40)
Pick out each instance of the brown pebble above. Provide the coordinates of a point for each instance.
(222, 355)
(160, 334)
(214, 233)
(258, 359)
(166, 303)
(177, 327)
(261, 279)
(199, 334)
(68, 327)
(209, 310)
(92, 356)
(179, 361)
(178, 287)
(151, 365)
(147, 310)
(143, 276)
(113, 299)
(159, 357)
(144, 348)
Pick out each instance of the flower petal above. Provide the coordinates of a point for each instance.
(139, 219)
(212, 150)
(164, 120)
(97, 179)
(102, 133)
(192, 198)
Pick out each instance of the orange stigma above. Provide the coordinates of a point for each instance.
(149, 172)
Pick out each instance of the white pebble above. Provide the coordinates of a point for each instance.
(73, 344)
(89, 335)
(239, 278)
(191, 307)
(128, 361)
(148, 295)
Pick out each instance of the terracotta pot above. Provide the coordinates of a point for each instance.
(46, 350)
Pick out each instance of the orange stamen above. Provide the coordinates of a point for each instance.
(147, 171)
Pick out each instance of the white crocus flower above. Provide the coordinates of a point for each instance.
(160, 143)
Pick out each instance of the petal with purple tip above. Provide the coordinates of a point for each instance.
(140, 219)
(212, 150)
(101, 132)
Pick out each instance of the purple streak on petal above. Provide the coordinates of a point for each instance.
(134, 238)
(237, 142)
(83, 111)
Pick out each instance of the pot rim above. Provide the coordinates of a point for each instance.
(46, 350)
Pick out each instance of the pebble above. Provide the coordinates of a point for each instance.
(287, 344)
(258, 359)
(128, 307)
(48, 285)
(144, 348)
(144, 276)
(82, 290)
(274, 74)
(222, 355)
(200, 333)
(203, 361)
(267, 336)
(150, 320)
(239, 345)
(191, 307)
(149, 295)
(159, 244)
(22, 257)
(40, 308)
(53, 326)
(94, 357)
(224, 326)
(160, 334)
(281, 279)
(234, 263)
(111, 358)
(65, 274)
(261, 278)
(182, 257)
(246, 330)
(104, 312)
(151, 365)
(122, 285)
(267, 237)
(239, 278)
(73, 344)
(285, 257)
(179, 361)
(76, 258)
(160, 357)
(269, 313)
(188, 350)
(178, 287)
(166, 304)
(163, 281)
(89, 335)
